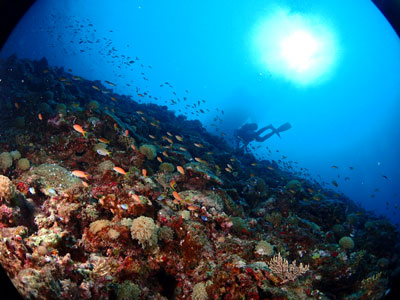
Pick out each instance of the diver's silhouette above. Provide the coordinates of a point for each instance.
(247, 133)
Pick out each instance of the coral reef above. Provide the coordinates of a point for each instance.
(95, 216)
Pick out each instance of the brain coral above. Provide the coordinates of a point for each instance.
(6, 188)
(144, 230)
(346, 242)
(5, 160)
(148, 150)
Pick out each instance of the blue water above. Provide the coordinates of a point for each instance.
(343, 105)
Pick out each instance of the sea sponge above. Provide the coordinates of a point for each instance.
(166, 167)
(346, 242)
(264, 248)
(105, 166)
(144, 230)
(98, 225)
(15, 154)
(199, 292)
(6, 160)
(128, 291)
(23, 164)
(149, 151)
(7, 188)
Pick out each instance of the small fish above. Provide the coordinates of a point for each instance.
(140, 112)
(310, 190)
(254, 164)
(103, 140)
(335, 167)
(192, 207)
(270, 168)
(16, 104)
(199, 160)
(144, 172)
(124, 206)
(76, 78)
(229, 166)
(109, 83)
(80, 174)
(335, 183)
(115, 126)
(85, 184)
(133, 147)
(179, 138)
(183, 148)
(113, 99)
(96, 87)
(119, 170)
(198, 145)
(165, 153)
(126, 133)
(79, 129)
(103, 152)
(180, 170)
(159, 159)
(40, 117)
(32, 190)
(176, 196)
(136, 198)
(384, 176)
(351, 168)
(173, 184)
(63, 79)
(228, 170)
(169, 133)
(152, 136)
(140, 95)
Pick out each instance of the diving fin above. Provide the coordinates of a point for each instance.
(283, 127)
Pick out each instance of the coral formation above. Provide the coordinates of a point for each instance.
(6, 160)
(96, 217)
(144, 230)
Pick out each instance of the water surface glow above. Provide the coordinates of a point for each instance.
(297, 47)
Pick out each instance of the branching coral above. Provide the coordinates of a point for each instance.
(281, 268)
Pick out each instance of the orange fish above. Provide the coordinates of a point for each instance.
(114, 99)
(96, 87)
(179, 138)
(169, 133)
(199, 145)
(165, 153)
(85, 184)
(192, 207)
(176, 196)
(80, 129)
(16, 105)
(144, 172)
(127, 133)
(119, 170)
(152, 137)
(140, 95)
(173, 184)
(103, 140)
(136, 198)
(140, 112)
(133, 147)
(80, 174)
(40, 117)
(159, 159)
(180, 170)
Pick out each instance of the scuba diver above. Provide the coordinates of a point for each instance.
(247, 133)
